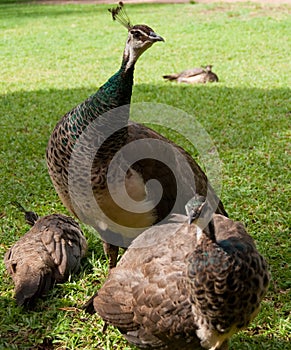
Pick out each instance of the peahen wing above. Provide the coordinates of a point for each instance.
(64, 242)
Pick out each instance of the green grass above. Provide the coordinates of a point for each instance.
(53, 57)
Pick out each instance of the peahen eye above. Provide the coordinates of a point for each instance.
(136, 34)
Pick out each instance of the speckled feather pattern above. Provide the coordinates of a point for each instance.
(71, 126)
(179, 293)
(47, 254)
(114, 223)
(115, 92)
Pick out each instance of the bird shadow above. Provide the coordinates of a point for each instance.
(257, 342)
(31, 327)
(236, 118)
(237, 112)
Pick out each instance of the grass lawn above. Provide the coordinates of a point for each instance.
(53, 57)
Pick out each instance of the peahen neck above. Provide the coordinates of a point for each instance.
(210, 231)
(116, 92)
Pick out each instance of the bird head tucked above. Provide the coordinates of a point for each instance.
(208, 68)
(194, 207)
(140, 36)
(30, 216)
(200, 212)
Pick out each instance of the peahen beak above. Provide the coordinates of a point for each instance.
(155, 37)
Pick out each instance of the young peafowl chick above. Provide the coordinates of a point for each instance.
(47, 254)
(192, 290)
(194, 76)
(68, 158)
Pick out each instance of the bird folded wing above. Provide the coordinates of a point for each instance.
(113, 303)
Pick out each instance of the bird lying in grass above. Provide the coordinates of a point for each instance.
(188, 284)
(47, 254)
(194, 76)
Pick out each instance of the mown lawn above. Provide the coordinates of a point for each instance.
(53, 57)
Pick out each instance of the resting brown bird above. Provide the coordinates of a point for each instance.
(85, 141)
(194, 76)
(47, 254)
(192, 290)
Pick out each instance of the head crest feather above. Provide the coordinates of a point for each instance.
(119, 14)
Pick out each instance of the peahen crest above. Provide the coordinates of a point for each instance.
(119, 14)
(30, 216)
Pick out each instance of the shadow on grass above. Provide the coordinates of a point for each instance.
(36, 330)
(235, 117)
(52, 318)
(238, 120)
(258, 342)
(23, 329)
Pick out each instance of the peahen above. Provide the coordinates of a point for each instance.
(194, 76)
(47, 254)
(99, 126)
(193, 290)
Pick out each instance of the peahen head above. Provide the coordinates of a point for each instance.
(208, 68)
(140, 36)
(200, 213)
(30, 216)
(194, 207)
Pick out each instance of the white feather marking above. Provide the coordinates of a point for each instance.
(199, 232)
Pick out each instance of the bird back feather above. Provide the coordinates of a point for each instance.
(189, 291)
(47, 254)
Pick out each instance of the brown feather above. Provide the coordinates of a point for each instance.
(185, 291)
(119, 14)
(47, 254)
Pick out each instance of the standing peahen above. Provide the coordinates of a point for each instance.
(192, 291)
(47, 254)
(99, 127)
(194, 76)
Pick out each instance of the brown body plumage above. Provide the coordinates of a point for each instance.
(47, 254)
(190, 290)
(194, 76)
(117, 225)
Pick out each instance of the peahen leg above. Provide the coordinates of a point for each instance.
(224, 346)
(89, 306)
(112, 252)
